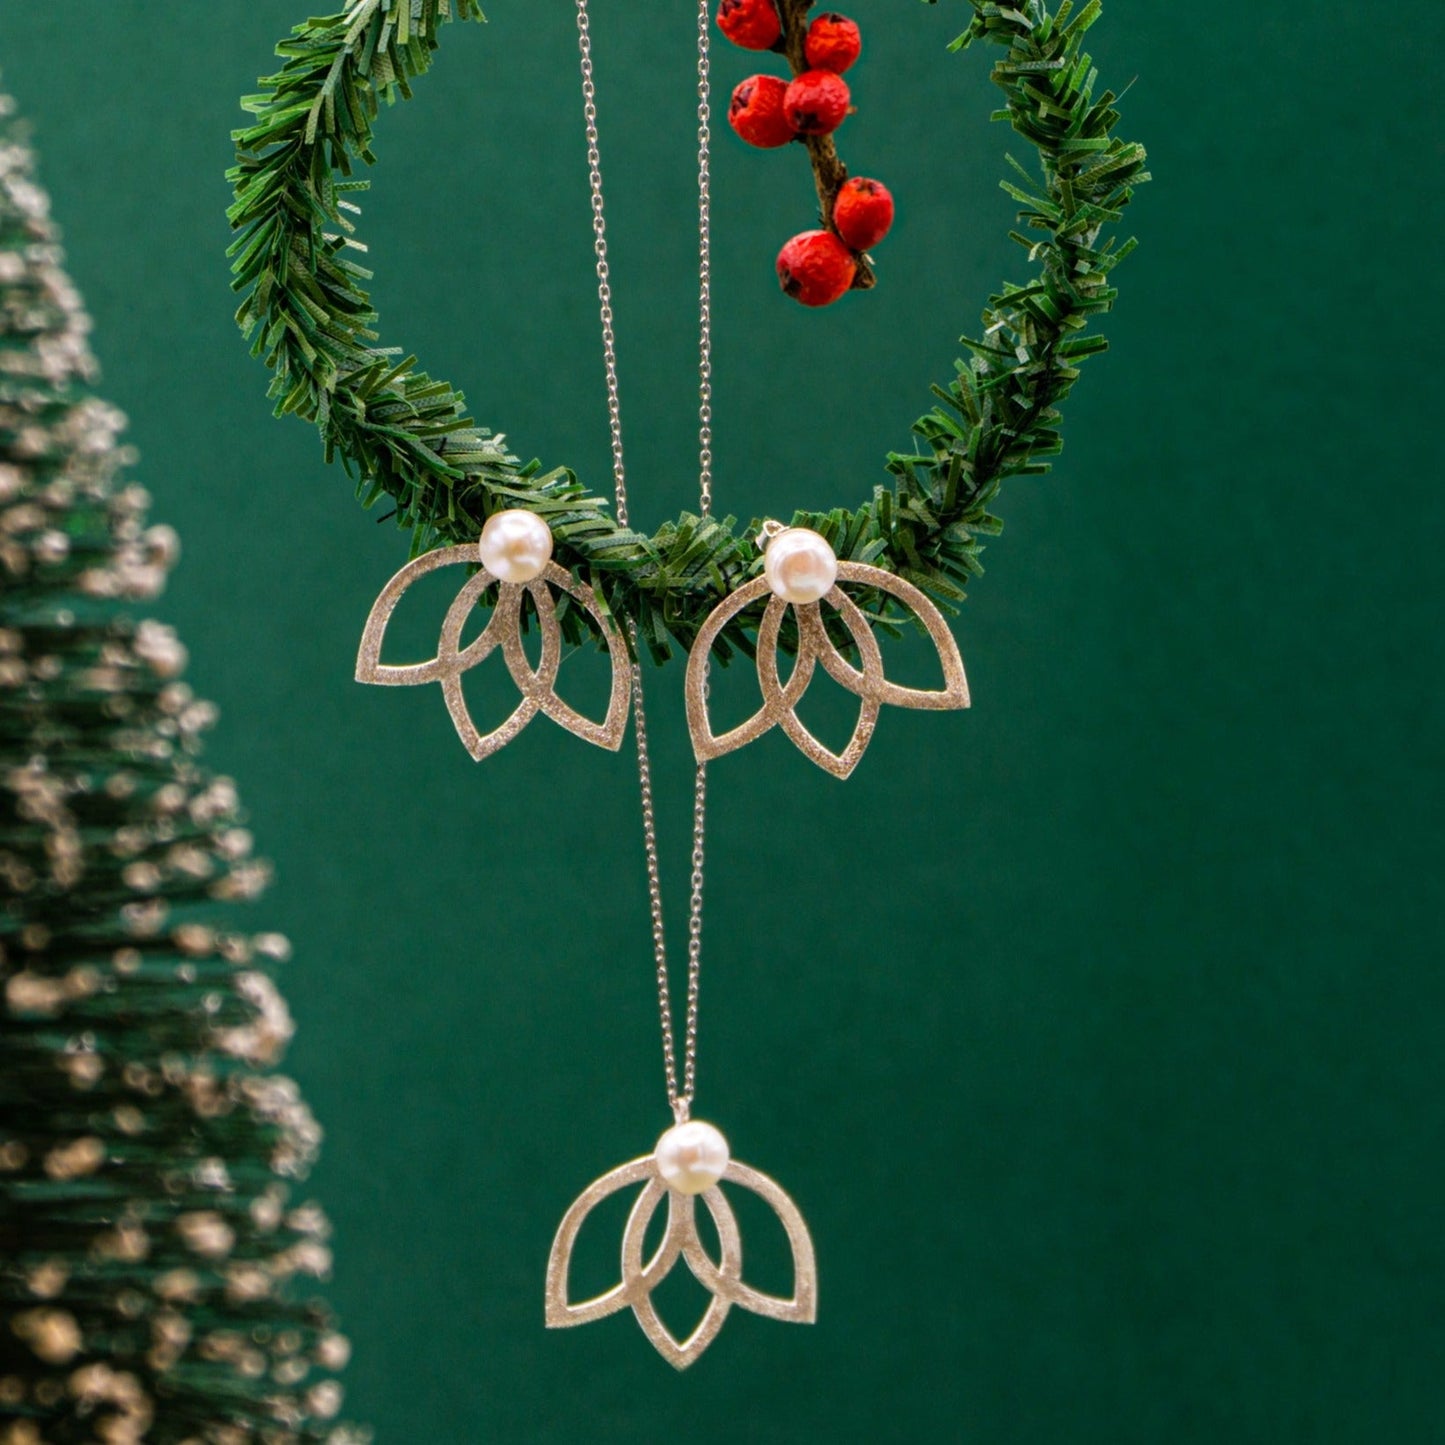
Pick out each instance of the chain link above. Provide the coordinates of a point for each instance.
(604, 273)
(704, 256)
(680, 1098)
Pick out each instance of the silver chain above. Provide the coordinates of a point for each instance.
(704, 257)
(679, 1098)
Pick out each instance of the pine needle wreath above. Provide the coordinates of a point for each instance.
(157, 1277)
(405, 436)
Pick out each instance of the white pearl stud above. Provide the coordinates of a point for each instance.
(515, 546)
(692, 1157)
(800, 565)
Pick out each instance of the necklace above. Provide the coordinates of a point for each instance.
(679, 1092)
(412, 438)
(691, 1159)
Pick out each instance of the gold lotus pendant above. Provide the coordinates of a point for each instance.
(690, 1163)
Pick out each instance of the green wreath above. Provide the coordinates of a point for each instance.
(406, 436)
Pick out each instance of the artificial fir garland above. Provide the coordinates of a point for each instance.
(157, 1278)
(407, 437)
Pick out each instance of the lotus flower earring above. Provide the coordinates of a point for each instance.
(515, 553)
(802, 572)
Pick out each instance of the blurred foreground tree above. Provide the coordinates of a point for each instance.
(157, 1280)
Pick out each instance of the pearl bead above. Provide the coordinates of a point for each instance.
(516, 546)
(800, 565)
(692, 1157)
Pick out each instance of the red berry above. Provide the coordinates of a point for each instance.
(863, 212)
(816, 102)
(834, 42)
(816, 268)
(756, 112)
(753, 24)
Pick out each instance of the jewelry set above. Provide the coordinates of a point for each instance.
(801, 577)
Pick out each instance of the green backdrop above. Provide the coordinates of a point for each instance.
(1097, 1030)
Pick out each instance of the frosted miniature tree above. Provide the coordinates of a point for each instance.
(158, 1281)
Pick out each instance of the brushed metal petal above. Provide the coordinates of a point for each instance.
(802, 1307)
(954, 693)
(610, 731)
(560, 1311)
(369, 666)
(504, 625)
(706, 744)
(680, 1223)
(812, 642)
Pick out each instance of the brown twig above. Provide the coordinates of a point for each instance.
(829, 172)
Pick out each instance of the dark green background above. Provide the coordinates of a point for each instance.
(1096, 1031)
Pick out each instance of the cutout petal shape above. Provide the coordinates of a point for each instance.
(954, 693)
(607, 733)
(504, 629)
(721, 1278)
(561, 1312)
(705, 743)
(802, 1307)
(868, 683)
(812, 640)
(680, 1222)
(369, 666)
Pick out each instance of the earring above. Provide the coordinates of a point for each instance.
(515, 552)
(803, 573)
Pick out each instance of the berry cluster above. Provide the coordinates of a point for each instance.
(815, 267)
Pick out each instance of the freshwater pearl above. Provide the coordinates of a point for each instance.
(516, 546)
(800, 566)
(692, 1157)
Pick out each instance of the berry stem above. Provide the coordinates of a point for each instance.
(829, 172)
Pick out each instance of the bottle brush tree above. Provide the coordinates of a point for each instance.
(158, 1274)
